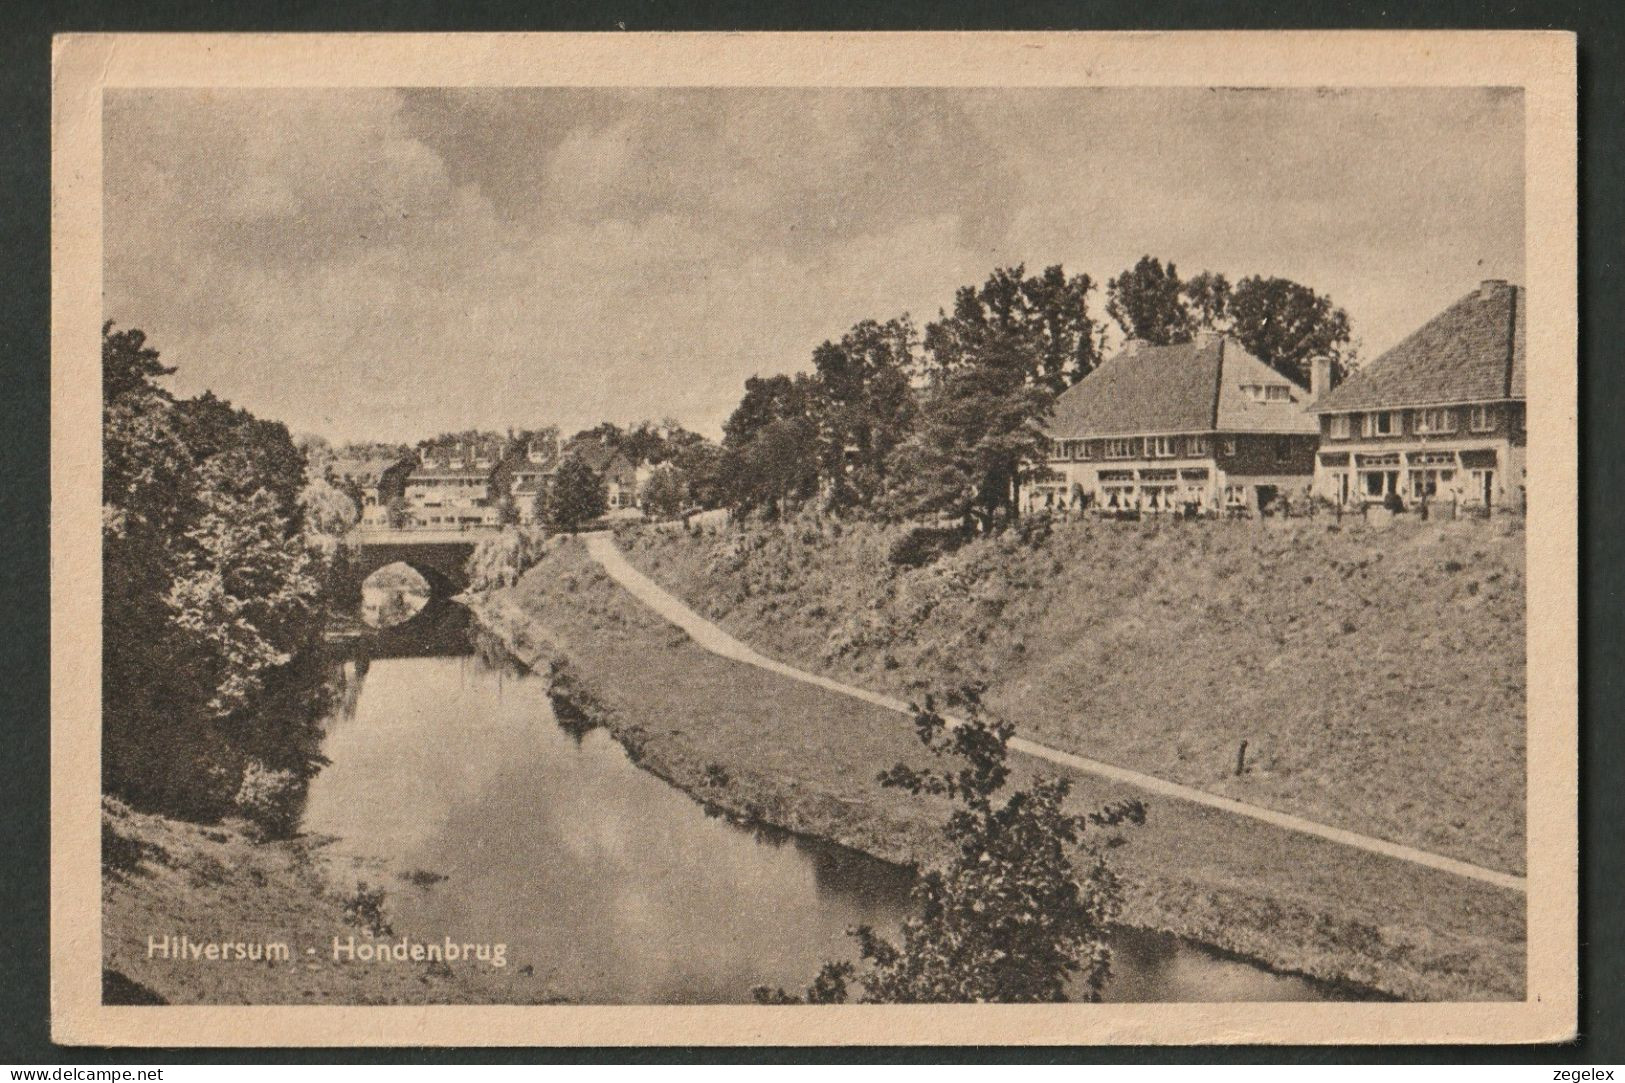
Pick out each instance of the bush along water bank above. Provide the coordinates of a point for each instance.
(764, 748)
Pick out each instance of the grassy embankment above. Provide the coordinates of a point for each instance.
(760, 745)
(216, 883)
(1377, 678)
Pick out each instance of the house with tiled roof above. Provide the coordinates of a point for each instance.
(528, 471)
(1438, 418)
(453, 487)
(620, 473)
(1197, 426)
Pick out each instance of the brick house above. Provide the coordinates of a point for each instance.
(1200, 424)
(1440, 417)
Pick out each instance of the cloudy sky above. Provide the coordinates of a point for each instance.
(390, 264)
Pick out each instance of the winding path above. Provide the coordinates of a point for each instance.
(601, 546)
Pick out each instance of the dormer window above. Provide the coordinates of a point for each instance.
(1268, 392)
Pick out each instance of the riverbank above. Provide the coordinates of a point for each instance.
(762, 747)
(215, 885)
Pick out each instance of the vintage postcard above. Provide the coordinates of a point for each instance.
(814, 539)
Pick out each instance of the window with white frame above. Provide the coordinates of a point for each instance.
(1437, 420)
(1382, 423)
(1229, 445)
(1267, 392)
(1481, 418)
(1196, 446)
(1161, 447)
(1340, 426)
(1119, 448)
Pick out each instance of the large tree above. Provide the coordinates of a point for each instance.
(1207, 298)
(1044, 317)
(1147, 303)
(777, 469)
(767, 399)
(702, 465)
(211, 599)
(1287, 325)
(577, 495)
(862, 404)
(988, 390)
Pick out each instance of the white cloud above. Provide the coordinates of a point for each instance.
(377, 264)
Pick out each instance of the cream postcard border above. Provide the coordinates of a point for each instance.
(1543, 63)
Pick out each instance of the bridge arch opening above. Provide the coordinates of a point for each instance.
(393, 594)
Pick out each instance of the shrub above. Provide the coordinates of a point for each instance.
(272, 800)
(499, 560)
(365, 908)
(1008, 919)
(1394, 503)
(921, 545)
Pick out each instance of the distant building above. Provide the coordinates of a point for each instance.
(373, 482)
(619, 473)
(453, 487)
(1440, 417)
(1200, 425)
(530, 469)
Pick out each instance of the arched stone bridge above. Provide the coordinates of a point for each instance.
(440, 556)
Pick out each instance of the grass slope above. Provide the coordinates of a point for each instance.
(1376, 676)
(766, 747)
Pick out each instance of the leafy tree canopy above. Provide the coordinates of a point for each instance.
(577, 495)
(1281, 322)
(1146, 302)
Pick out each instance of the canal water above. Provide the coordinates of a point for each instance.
(447, 759)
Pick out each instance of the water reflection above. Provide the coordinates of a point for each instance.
(614, 886)
(393, 595)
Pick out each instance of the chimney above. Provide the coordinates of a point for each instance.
(1320, 377)
(1208, 336)
(1490, 288)
(1132, 347)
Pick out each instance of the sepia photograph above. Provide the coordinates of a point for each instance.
(764, 545)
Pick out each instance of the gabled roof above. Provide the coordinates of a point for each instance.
(1189, 387)
(602, 458)
(1473, 351)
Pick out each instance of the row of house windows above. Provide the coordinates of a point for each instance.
(1154, 447)
(1433, 421)
(1149, 447)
